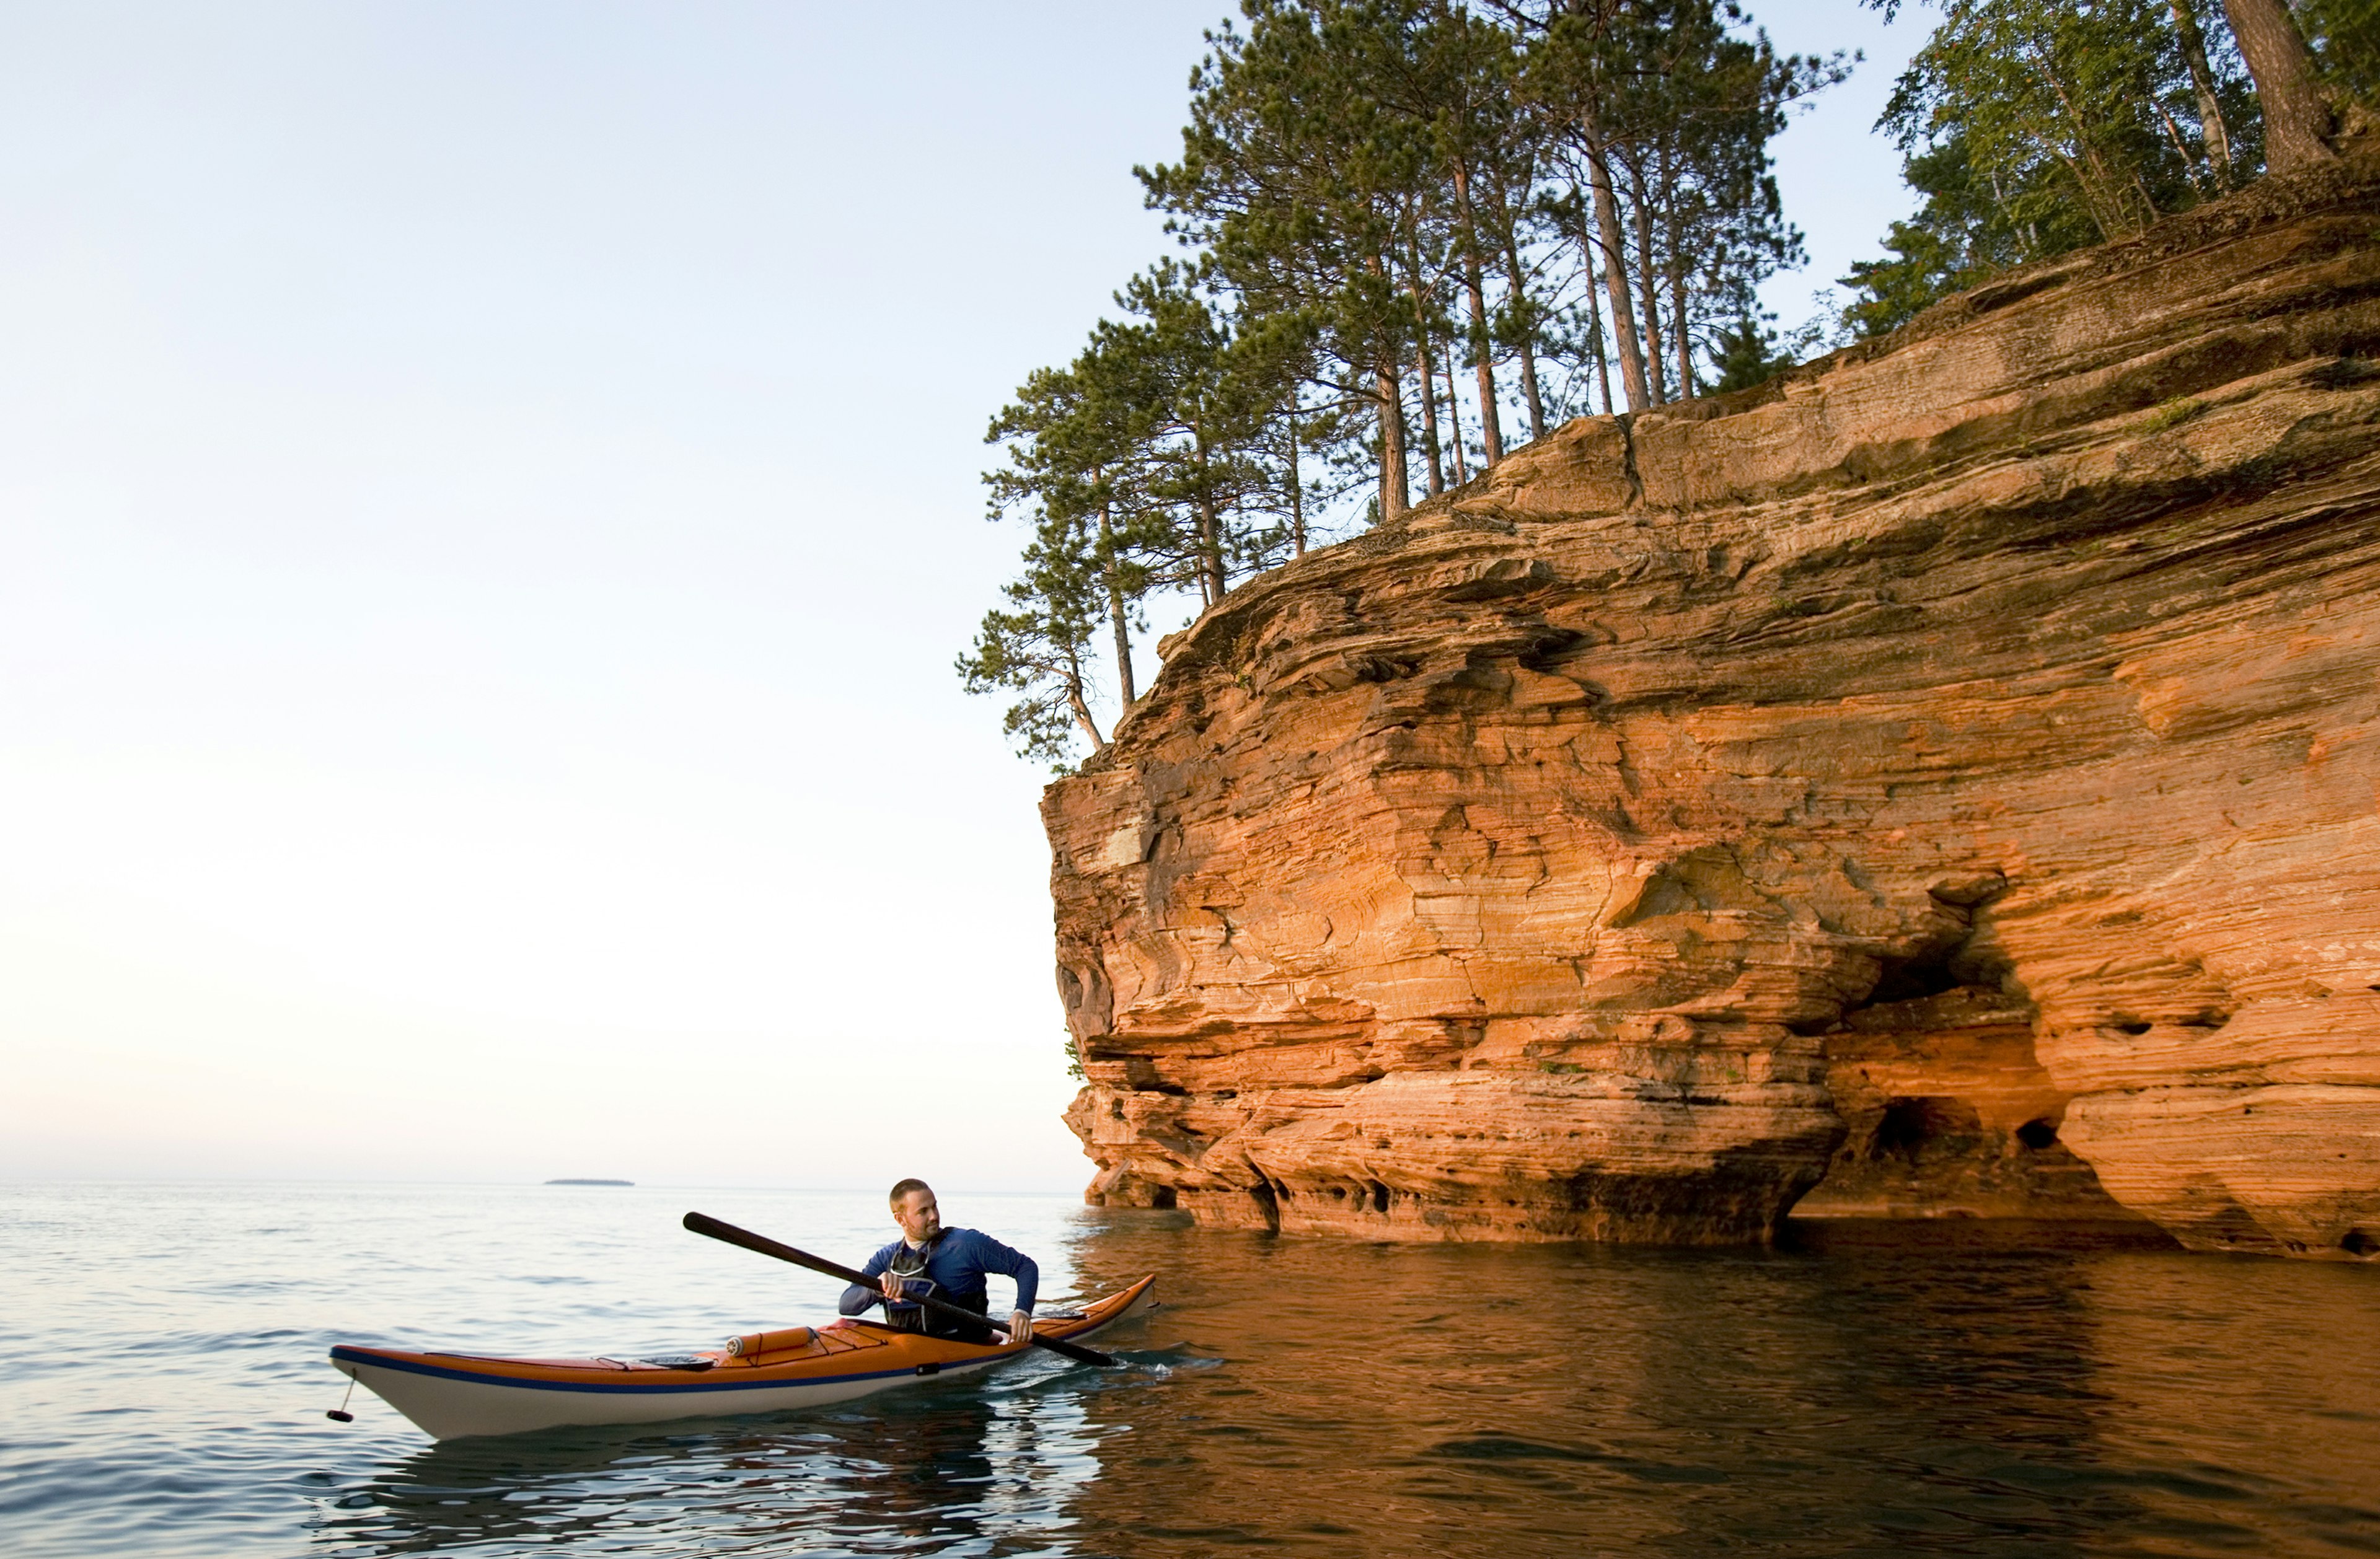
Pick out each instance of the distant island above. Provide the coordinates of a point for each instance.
(580, 1183)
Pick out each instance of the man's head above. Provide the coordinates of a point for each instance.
(914, 1209)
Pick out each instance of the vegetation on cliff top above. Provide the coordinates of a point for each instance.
(1413, 227)
(2034, 128)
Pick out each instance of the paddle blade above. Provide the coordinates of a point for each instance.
(1076, 1351)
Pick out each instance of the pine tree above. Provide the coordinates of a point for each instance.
(1576, 64)
(1748, 351)
(1196, 398)
(1040, 647)
(1387, 208)
(1301, 189)
(1068, 449)
(1665, 111)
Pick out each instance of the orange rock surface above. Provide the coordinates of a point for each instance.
(1968, 744)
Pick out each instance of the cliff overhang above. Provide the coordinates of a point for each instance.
(1943, 780)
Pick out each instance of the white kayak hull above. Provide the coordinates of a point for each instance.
(450, 1408)
(452, 1396)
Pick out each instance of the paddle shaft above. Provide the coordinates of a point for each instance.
(701, 1223)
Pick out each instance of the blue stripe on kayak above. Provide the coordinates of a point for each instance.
(354, 1356)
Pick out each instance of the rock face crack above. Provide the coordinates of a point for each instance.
(1945, 780)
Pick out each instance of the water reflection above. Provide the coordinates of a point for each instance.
(1891, 1397)
(1887, 1397)
(940, 1469)
(2244, 1412)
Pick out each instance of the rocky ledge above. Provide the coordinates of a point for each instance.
(1945, 779)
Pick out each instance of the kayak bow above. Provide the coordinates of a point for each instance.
(453, 1395)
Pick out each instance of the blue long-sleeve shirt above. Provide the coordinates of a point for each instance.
(956, 1264)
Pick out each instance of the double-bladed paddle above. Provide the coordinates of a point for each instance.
(703, 1223)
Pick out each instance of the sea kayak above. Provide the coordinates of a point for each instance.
(453, 1395)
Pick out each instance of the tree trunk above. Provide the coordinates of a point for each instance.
(2180, 150)
(1455, 420)
(2082, 161)
(1594, 343)
(1615, 275)
(1296, 489)
(1687, 388)
(1211, 547)
(1491, 427)
(1490, 434)
(2032, 234)
(2201, 83)
(1422, 368)
(1587, 249)
(1682, 340)
(1519, 298)
(1648, 285)
(2297, 116)
(1081, 708)
(1119, 618)
(1429, 376)
(1529, 391)
(1210, 526)
(1395, 487)
(1649, 295)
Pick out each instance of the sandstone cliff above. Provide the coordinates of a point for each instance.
(1950, 773)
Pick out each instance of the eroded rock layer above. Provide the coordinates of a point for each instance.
(1971, 739)
(1948, 1113)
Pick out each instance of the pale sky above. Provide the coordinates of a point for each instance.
(487, 504)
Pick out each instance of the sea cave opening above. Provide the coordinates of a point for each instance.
(1913, 1123)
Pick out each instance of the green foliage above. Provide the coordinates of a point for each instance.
(1379, 166)
(1157, 461)
(1038, 645)
(1675, 101)
(1196, 396)
(1748, 354)
(2345, 37)
(1303, 187)
(2033, 128)
(1381, 204)
(1960, 237)
(2056, 105)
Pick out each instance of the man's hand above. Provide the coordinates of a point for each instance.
(1020, 1327)
(892, 1290)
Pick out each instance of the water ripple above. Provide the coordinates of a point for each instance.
(164, 1393)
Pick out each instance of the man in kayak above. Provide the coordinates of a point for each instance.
(948, 1264)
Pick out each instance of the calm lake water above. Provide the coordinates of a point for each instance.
(163, 1383)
